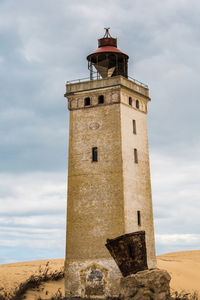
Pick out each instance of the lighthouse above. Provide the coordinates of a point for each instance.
(109, 186)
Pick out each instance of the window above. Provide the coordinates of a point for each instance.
(137, 104)
(101, 99)
(138, 218)
(87, 101)
(94, 154)
(130, 101)
(131, 250)
(134, 126)
(135, 156)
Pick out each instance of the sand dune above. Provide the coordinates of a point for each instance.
(11, 275)
(184, 268)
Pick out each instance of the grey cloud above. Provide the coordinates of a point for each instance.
(33, 224)
(175, 190)
(33, 193)
(175, 242)
(33, 214)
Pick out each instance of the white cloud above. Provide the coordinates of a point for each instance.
(33, 212)
(33, 193)
(175, 191)
(178, 239)
(32, 51)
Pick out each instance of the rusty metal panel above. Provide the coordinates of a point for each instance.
(129, 252)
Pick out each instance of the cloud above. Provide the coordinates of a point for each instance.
(175, 242)
(175, 190)
(33, 213)
(33, 193)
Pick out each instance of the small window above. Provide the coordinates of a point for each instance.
(135, 156)
(101, 99)
(87, 101)
(130, 101)
(134, 126)
(131, 250)
(94, 154)
(137, 104)
(139, 218)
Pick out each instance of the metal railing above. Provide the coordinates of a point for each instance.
(78, 80)
(138, 82)
(99, 78)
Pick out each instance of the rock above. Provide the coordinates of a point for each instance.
(146, 285)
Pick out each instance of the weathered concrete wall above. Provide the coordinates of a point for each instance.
(95, 190)
(104, 196)
(92, 278)
(106, 82)
(95, 194)
(136, 176)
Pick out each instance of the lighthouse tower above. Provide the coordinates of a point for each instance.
(109, 188)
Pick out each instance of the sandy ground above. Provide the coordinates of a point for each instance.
(46, 290)
(184, 268)
(11, 275)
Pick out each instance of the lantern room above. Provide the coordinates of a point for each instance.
(107, 61)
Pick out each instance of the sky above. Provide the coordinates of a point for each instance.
(44, 43)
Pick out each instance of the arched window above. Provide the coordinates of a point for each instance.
(87, 101)
(101, 99)
(137, 104)
(130, 101)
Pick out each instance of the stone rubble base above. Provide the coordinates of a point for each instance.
(146, 285)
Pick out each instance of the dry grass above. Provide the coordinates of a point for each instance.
(44, 274)
(175, 296)
(58, 296)
(185, 296)
(36, 280)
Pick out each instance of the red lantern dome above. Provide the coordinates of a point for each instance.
(108, 60)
